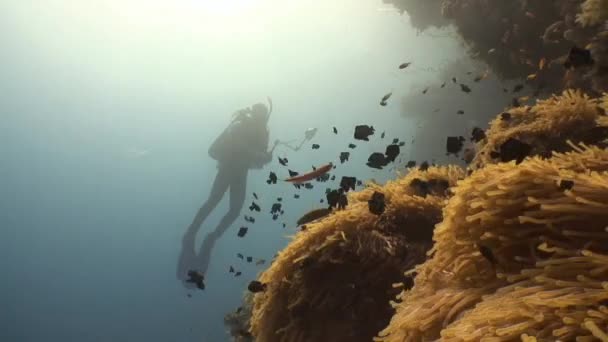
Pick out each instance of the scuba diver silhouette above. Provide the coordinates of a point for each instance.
(242, 146)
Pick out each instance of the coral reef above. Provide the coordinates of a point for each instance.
(516, 250)
(520, 247)
(542, 129)
(238, 322)
(521, 250)
(335, 279)
(526, 37)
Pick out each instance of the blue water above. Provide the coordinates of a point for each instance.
(104, 130)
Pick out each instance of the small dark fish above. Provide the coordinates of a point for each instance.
(424, 166)
(352, 145)
(333, 177)
(276, 207)
(272, 178)
(362, 132)
(382, 135)
(395, 140)
(454, 80)
(261, 261)
(513, 149)
(443, 85)
(478, 78)
(296, 196)
(255, 207)
(348, 183)
(249, 259)
(487, 253)
(315, 146)
(478, 134)
(518, 87)
(197, 278)
(344, 157)
(284, 225)
(335, 130)
(292, 173)
(189, 295)
(283, 161)
(386, 97)
(249, 219)
(255, 287)
(313, 215)
(578, 57)
(469, 72)
(465, 88)
(231, 269)
(404, 65)
(392, 151)
(308, 186)
(342, 201)
(242, 231)
(383, 104)
(425, 90)
(321, 200)
(255, 195)
(238, 274)
(410, 164)
(402, 143)
(506, 116)
(566, 184)
(460, 112)
(376, 204)
(377, 161)
(240, 256)
(515, 102)
(332, 197)
(275, 217)
(454, 144)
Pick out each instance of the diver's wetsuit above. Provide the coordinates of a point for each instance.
(243, 145)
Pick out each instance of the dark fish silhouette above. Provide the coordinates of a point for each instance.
(344, 156)
(376, 160)
(478, 134)
(392, 151)
(313, 215)
(578, 57)
(362, 132)
(454, 144)
(404, 65)
(348, 183)
(272, 178)
(256, 286)
(255, 207)
(242, 231)
(376, 203)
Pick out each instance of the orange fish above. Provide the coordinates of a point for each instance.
(531, 77)
(541, 63)
(320, 171)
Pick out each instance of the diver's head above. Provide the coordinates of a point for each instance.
(259, 113)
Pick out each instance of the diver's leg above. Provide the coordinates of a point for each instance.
(220, 185)
(187, 255)
(238, 191)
